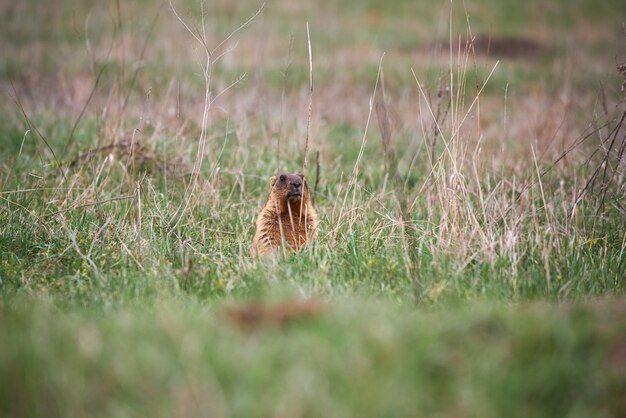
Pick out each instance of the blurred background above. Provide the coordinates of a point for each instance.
(53, 52)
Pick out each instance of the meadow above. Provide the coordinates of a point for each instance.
(466, 159)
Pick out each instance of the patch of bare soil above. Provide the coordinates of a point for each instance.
(252, 315)
(497, 47)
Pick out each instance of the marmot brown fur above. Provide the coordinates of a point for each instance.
(287, 218)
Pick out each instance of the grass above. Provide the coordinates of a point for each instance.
(460, 269)
(186, 361)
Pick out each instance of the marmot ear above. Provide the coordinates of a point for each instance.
(272, 181)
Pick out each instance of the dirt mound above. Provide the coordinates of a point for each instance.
(252, 315)
(497, 47)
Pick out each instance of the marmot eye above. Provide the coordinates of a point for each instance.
(282, 178)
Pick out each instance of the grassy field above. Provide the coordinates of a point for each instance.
(467, 161)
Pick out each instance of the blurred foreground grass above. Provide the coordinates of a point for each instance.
(359, 358)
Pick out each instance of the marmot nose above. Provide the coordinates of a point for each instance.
(296, 185)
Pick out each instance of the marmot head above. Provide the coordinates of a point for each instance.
(289, 188)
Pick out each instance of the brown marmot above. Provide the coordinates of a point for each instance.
(288, 217)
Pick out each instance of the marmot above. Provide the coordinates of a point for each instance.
(288, 214)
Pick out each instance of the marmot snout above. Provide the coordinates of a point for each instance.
(288, 217)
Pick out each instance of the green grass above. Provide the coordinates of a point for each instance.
(496, 293)
(358, 359)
